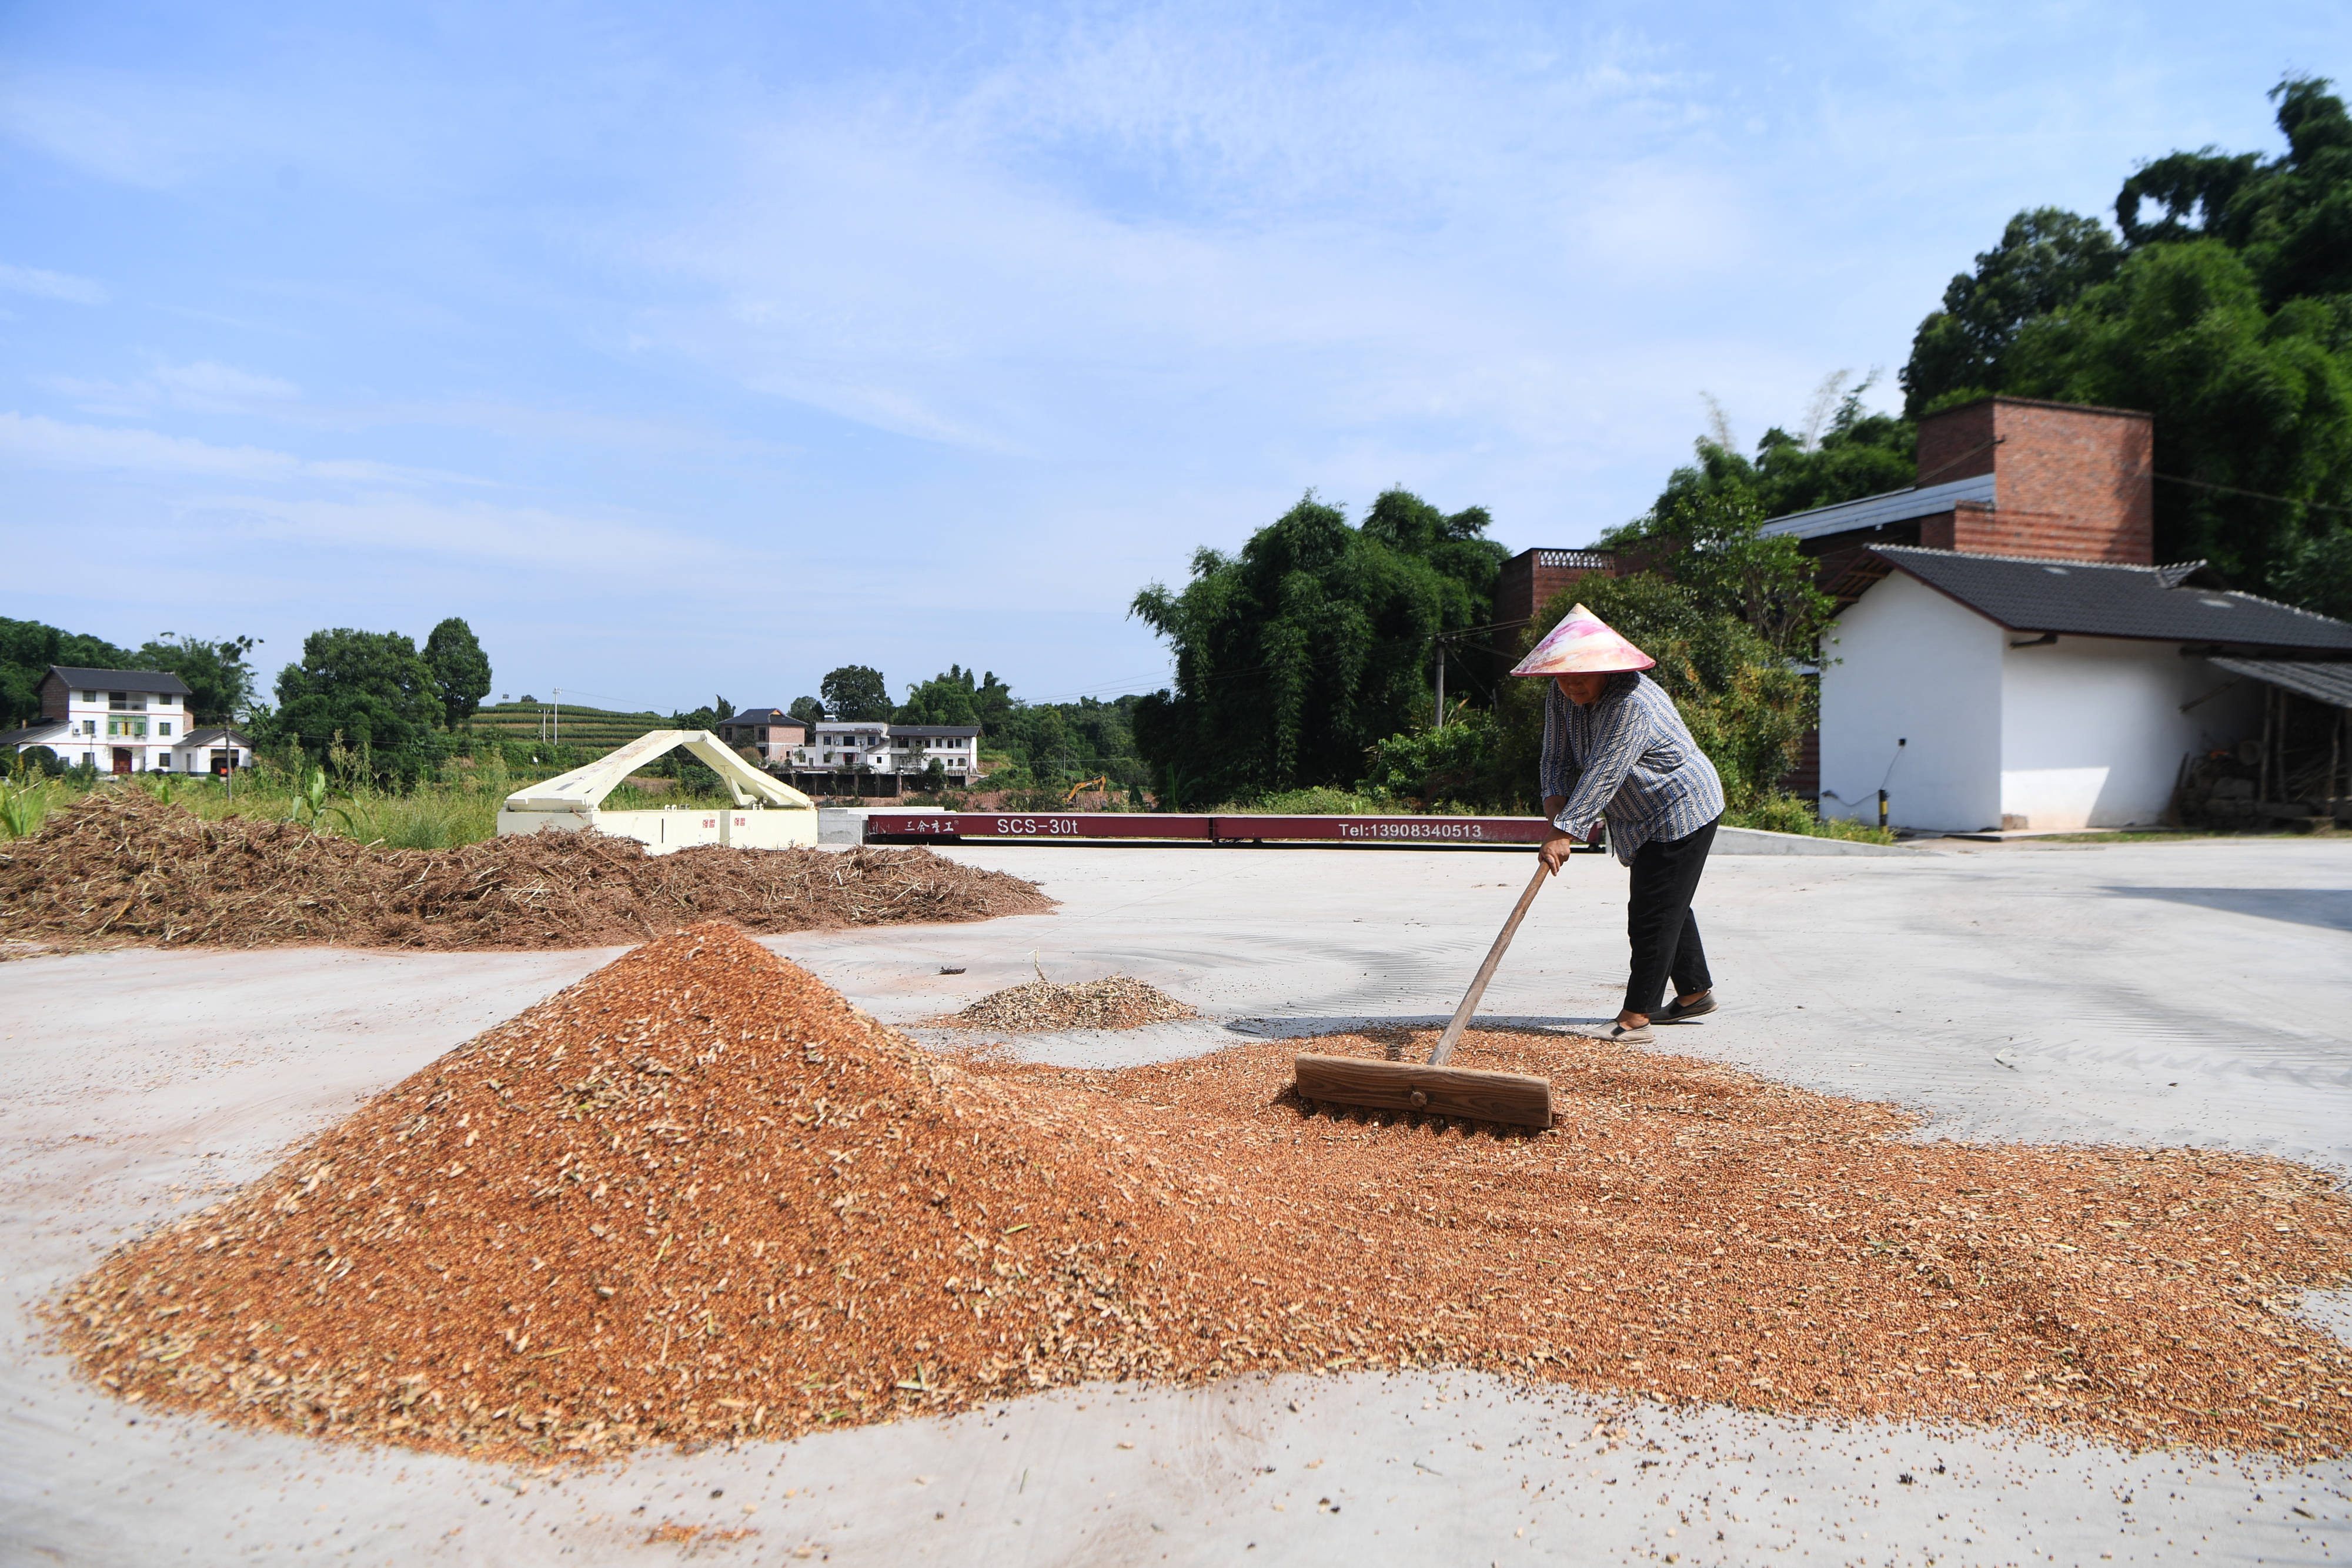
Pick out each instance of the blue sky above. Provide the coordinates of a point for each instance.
(687, 349)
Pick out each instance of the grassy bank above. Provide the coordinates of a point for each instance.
(430, 817)
(1789, 814)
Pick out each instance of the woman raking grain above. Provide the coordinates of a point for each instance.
(1616, 751)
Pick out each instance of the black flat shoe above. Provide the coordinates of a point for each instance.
(1675, 1013)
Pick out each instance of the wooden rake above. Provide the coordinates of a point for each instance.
(1433, 1086)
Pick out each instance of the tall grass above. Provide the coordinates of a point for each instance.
(23, 806)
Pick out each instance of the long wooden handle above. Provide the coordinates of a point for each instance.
(1461, 1019)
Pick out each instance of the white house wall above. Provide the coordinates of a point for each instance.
(2092, 731)
(1908, 664)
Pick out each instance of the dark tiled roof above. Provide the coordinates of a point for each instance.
(2326, 683)
(769, 716)
(2092, 598)
(208, 737)
(926, 731)
(121, 680)
(39, 733)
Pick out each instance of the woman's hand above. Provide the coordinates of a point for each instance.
(1554, 850)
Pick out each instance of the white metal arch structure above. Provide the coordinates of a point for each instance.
(768, 814)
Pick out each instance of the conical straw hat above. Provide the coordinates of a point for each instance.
(1582, 644)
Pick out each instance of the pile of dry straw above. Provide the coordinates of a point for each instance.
(124, 868)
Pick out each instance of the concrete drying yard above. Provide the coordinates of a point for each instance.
(2137, 993)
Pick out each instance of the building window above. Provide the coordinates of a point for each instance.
(127, 702)
(163, 729)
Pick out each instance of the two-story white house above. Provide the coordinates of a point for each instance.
(956, 748)
(118, 721)
(839, 747)
(844, 745)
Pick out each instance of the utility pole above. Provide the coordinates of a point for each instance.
(559, 717)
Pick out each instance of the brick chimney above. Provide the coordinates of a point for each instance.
(2071, 480)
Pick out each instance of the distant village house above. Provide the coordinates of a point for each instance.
(770, 734)
(125, 721)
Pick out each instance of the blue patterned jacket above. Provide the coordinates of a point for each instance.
(1629, 760)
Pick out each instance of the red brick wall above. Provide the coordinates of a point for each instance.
(1956, 444)
(53, 697)
(2074, 482)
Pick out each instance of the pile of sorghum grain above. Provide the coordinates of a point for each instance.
(697, 1196)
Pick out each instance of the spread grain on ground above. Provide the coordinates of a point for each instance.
(698, 1197)
(124, 868)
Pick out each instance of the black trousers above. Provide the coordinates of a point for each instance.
(1659, 922)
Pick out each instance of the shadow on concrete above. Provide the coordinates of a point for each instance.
(2329, 908)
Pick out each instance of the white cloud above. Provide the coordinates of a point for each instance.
(395, 527)
(51, 285)
(1160, 233)
(222, 388)
(39, 441)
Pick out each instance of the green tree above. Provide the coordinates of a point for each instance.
(2224, 310)
(27, 649)
(1315, 640)
(719, 711)
(220, 681)
(2245, 399)
(960, 696)
(461, 671)
(2289, 217)
(2319, 574)
(942, 699)
(857, 693)
(371, 689)
(808, 710)
(1711, 541)
(2045, 260)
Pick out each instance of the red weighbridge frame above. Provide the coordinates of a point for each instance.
(1099, 827)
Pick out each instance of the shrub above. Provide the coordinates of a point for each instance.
(1467, 763)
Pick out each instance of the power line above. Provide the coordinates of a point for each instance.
(2253, 494)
